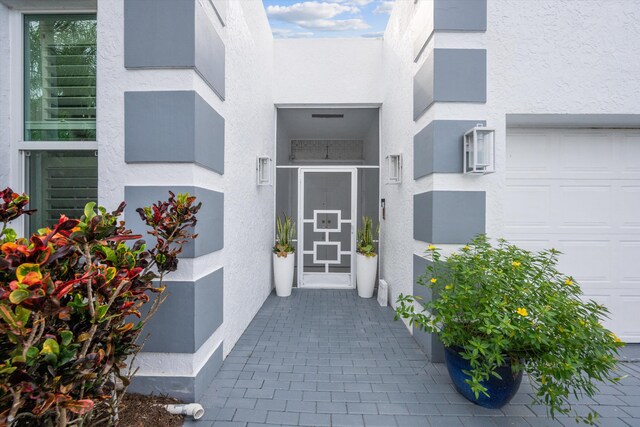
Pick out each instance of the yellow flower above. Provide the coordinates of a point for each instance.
(432, 248)
(434, 280)
(448, 287)
(615, 337)
(522, 312)
(466, 248)
(516, 263)
(568, 282)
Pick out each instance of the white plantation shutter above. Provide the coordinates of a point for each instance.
(61, 182)
(60, 102)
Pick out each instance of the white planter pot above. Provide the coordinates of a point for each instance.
(366, 269)
(283, 274)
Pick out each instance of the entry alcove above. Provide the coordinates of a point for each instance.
(327, 179)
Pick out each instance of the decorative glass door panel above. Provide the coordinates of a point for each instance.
(326, 227)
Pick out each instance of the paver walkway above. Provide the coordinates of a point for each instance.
(324, 357)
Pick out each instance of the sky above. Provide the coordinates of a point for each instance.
(327, 18)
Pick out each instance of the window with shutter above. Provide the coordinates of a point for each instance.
(60, 78)
(59, 108)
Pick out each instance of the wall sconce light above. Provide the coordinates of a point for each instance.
(263, 170)
(394, 168)
(479, 151)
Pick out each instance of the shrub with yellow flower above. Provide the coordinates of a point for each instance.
(481, 297)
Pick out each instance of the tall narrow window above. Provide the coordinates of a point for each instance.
(60, 78)
(59, 107)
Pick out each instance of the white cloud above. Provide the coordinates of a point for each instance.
(283, 33)
(375, 35)
(315, 15)
(334, 24)
(384, 6)
(357, 3)
(307, 11)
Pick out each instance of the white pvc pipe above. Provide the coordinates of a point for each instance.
(194, 410)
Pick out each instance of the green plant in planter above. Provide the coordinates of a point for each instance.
(364, 244)
(285, 233)
(501, 301)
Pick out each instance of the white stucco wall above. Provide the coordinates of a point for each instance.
(5, 97)
(397, 130)
(249, 127)
(550, 57)
(328, 71)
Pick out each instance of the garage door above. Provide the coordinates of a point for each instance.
(579, 191)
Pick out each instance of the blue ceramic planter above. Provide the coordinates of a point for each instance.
(501, 391)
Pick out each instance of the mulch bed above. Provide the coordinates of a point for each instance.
(137, 410)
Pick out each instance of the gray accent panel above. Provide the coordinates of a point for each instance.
(210, 53)
(40, 5)
(460, 15)
(173, 127)
(187, 389)
(210, 226)
(631, 121)
(189, 316)
(159, 33)
(209, 136)
(431, 345)
(438, 147)
(423, 90)
(448, 216)
(460, 75)
(419, 269)
(174, 34)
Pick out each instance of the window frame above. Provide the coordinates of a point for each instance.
(19, 148)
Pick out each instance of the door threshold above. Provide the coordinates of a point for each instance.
(327, 281)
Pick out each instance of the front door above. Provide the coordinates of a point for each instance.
(326, 227)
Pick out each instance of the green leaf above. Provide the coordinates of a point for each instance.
(8, 370)
(23, 314)
(50, 346)
(19, 295)
(25, 269)
(10, 235)
(110, 273)
(110, 254)
(89, 213)
(32, 353)
(101, 310)
(66, 337)
(8, 316)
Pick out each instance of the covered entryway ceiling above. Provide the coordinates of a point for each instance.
(578, 190)
(329, 123)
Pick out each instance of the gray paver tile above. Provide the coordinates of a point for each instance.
(315, 420)
(346, 420)
(298, 406)
(271, 404)
(412, 421)
(282, 418)
(392, 409)
(250, 415)
(380, 420)
(446, 421)
(362, 408)
(332, 408)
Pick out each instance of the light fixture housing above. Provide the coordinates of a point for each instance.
(394, 168)
(264, 174)
(479, 151)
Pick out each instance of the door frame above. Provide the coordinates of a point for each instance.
(301, 221)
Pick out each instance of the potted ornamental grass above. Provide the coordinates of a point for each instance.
(283, 255)
(367, 259)
(501, 311)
